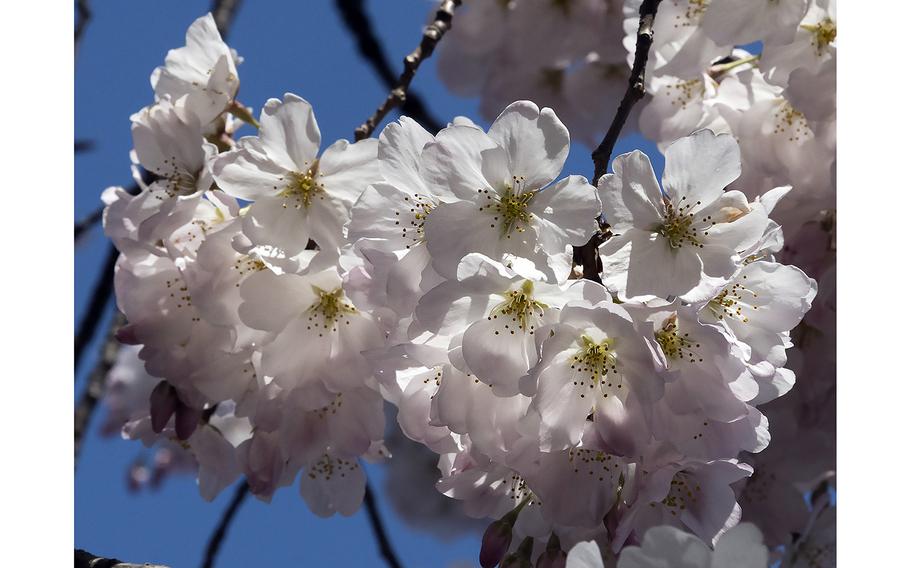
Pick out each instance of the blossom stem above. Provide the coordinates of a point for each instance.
(243, 113)
(432, 34)
(717, 70)
(382, 538)
(214, 545)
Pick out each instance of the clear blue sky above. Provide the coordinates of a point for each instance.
(301, 47)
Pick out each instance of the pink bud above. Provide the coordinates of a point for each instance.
(163, 403)
(496, 541)
(186, 421)
(127, 335)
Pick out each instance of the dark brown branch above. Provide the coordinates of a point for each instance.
(587, 255)
(224, 11)
(88, 560)
(94, 389)
(634, 92)
(104, 287)
(355, 18)
(398, 95)
(85, 15)
(217, 538)
(385, 546)
(80, 146)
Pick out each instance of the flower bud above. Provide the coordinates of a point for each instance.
(186, 421)
(163, 403)
(521, 558)
(496, 541)
(553, 556)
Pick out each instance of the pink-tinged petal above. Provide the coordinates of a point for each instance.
(400, 145)
(289, 132)
(657, 269)
(346, 169)
(498, 352)
(565, 214)
(700, 166)
(631, 196)
(536, 141)
(280, 222)
(452, 166)
(248, 175)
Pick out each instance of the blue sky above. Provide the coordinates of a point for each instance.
(301, 47)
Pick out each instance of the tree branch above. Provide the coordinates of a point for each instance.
(94, 389)
(223, 11)
(587, 255)
(88, 560)
(215, 541)
(358, 23)
(385, 546)
(85, 15)
(370, 49)
(101, 295)
(634, 92)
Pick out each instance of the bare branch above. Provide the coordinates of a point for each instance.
(85, 15)
(94, 389)
(634, 92)
(217, 538)
(101, 295)
(587, 255)
(385, 546)
(223, 11)
(358, 23)
(88, 560)
(80, 146)
(432, 34)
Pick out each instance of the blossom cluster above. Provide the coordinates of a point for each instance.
(764, 72)
(282, 291)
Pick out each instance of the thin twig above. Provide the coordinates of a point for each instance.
(634, 92)
(94, 389)
(215, 541)
(80, 146)
(355, 18)
(88, 560)
(101, 295)
(85, 15)
(224, 11)
(385, 546)
(587, 255)
(398, 95)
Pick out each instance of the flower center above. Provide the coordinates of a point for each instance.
(595, 361)
(677, 227)
(521, 307)
(674, 345)
(510, 208)
(331, 307)
(421, 207)
(302, 188)
(683, 493)
(823, 34)
(328, 467)
(729, 303)
(594, 462)
(791, 123)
